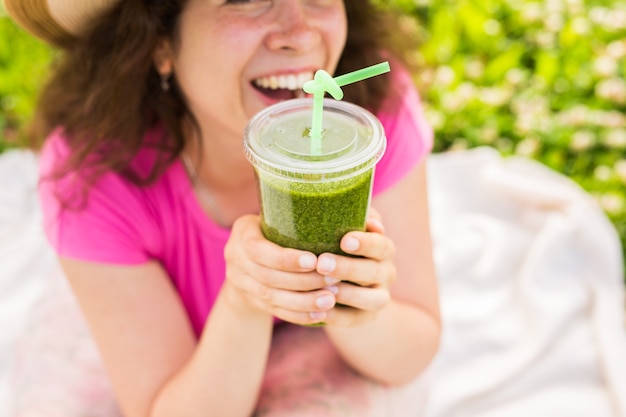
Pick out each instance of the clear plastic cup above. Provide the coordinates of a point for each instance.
(311, 193)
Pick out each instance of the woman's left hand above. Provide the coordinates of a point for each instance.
(366, 280)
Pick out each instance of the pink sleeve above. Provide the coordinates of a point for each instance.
(409, 136)
(104, 227)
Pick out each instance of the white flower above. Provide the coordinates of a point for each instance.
(524, 123)
(603, 173)
(611, 119)
(474, 69)
(444, 76)
(545, 39)
(580, 26)
(532, 12)
(582, 140)
(554, 22)
(554, 6)
(612, 89)
(427, 76)
(494, 96)
(620, 169)
(616, 49)
(576, 116)
(575, 6)
(534, 105)
(608, 19)
(605, 66)
(527, 147)
(515, 76)
(612, 203)
(492, 27)
(436, 118)
(452, 102)
(466, 91)
(599, 15)
(615, 138)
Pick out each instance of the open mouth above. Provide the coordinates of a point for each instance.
(282, 87)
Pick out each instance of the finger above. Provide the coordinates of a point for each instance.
(273, 256)
(288, 269)
(362, 271)
(304, 319)
(372, 213)
(301, 308)
(319, 300)
(374, 225)
(271, 264)
(373, 298)
(345, 316)
(369, 245)
(374, 221)
(293, 281)
(266, 253)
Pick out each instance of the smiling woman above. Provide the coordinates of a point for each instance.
(190, 306)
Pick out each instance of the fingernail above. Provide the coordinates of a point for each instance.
(333, 288)
(350, 243)
(325, 301)
(327, 264)
(307, 261)
(317, 315)
(331, 281)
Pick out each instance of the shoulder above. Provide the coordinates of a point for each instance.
(76, 210)
(404, 109)
(409, 135)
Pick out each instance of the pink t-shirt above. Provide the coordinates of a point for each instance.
(122, 223)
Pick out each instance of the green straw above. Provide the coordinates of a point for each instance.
(362, 74)
(323, 83)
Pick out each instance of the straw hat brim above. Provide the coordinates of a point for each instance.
(57, 22)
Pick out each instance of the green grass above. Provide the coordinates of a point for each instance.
(542, 79)
(23, 67)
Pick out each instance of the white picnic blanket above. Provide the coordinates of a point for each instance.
(531, 284)
(532, 293)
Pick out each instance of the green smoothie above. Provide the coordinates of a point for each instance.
(313, 194)
(313, 216)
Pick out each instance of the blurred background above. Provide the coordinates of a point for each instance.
(540, 79)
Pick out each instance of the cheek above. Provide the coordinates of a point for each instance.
(337, 32)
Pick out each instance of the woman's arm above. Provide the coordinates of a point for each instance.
(403, 338)
(152, 358)
(156, 366)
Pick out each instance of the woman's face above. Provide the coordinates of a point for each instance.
(235, 57)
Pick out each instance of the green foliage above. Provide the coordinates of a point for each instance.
(23, 64)
(542, 79)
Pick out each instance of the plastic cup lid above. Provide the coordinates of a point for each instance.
(277, 140)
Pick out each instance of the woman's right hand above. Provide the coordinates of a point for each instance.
(274, 280)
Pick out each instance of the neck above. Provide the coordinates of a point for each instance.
(220, 162)
(223, 179)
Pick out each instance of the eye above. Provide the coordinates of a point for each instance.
(244, 2)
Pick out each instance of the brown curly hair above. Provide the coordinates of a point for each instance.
(105, 92)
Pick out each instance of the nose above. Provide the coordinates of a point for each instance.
(294, 30)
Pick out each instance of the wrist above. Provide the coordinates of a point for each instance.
(238, 302)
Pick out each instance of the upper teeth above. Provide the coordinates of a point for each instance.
(284, 81)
